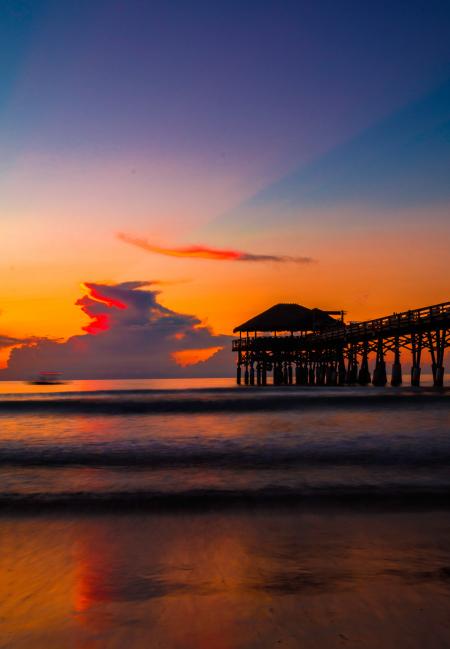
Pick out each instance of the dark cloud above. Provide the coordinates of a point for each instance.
(8, 341)
(205, 252)
(130, 334)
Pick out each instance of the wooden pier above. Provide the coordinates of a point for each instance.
(311, 347)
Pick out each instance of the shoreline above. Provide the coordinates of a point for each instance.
(200, 501)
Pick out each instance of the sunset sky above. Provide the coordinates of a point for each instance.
(216, 158)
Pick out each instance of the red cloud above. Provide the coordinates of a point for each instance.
(95, 294)
(204, 252)
(93, 306)
(99, 323)
(137, 337)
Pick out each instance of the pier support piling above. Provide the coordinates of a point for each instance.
(396, 376)
(416, 348)
(320, 374)
(341, 372)
(352, 368)
(331, 375)
(264, 374)
(415, 376)
(364, 374)
(379, 373)
(439, 377)
(437, 348)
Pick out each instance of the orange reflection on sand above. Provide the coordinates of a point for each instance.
(231, 580)
(155, 569)
(94, 571)
(36, 582)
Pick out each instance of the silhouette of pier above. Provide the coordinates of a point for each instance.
(311, 347)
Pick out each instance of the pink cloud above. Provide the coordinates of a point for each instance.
(206, 252)
(135, 336)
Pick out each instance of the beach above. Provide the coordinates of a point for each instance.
(224, 325)
(252, 577)
(197, 514)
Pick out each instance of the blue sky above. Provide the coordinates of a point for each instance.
(284, 81)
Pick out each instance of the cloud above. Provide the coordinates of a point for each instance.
(205, 252)
(8, 341)
(129, 335)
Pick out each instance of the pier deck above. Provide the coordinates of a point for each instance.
(315, 349)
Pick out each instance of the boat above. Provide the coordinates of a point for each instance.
(47, 378)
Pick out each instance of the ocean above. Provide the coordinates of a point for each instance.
(198, 440)
(199, 515)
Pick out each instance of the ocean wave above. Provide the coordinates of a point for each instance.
(407, 453)
(148, 402)
(435, 496)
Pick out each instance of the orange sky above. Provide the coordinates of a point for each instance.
(368, 273)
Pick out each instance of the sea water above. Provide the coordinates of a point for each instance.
(194, 440)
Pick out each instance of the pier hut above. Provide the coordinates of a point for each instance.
(315, 347)
(274, 341)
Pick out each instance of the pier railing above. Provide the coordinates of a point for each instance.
(429, 318)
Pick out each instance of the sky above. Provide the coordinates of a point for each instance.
(207, 160)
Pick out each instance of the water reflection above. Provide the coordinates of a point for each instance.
(91, 385)
(230, 580)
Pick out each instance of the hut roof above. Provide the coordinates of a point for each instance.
(289, 317)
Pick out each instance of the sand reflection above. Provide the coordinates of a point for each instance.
(225, 580)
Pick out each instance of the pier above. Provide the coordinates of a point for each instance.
(304, 346)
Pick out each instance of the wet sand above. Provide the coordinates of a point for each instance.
(248, 577)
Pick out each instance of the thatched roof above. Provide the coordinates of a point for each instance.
(289, 317)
